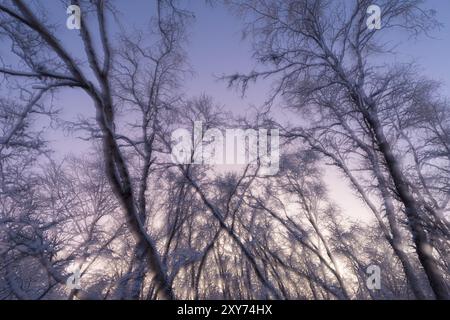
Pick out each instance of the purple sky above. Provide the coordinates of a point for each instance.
(216, 47)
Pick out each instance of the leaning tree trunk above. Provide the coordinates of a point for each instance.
(423, 247)
(120, 180)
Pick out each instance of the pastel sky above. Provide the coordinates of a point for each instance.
(216, 48)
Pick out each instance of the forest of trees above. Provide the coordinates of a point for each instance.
(138, 226)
